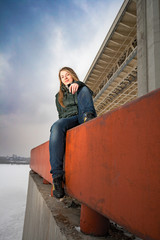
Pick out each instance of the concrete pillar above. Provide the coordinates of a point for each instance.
(148, 41)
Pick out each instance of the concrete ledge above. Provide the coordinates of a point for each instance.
(48, 218)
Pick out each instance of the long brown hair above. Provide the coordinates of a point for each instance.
(75, 78)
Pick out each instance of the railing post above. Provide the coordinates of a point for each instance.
(92, 222)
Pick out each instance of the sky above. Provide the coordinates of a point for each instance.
(37, 39)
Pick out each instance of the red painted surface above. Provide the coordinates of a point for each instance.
(39, 162)
(112, 165)
(93, 223)
(45, 181)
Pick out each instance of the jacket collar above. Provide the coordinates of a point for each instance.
(64, 88)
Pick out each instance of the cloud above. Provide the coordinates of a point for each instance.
(6, 72)
(30, 63)
(4, 66)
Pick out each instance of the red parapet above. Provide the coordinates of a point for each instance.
(39, 162)
(112, 164)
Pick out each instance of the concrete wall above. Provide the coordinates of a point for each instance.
(39, 222)
(148, 44)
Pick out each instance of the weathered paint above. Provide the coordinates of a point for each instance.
(39, 162)
(112, 165)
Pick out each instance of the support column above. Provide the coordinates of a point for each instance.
(92, 222)
(148, 45)
(45, 181)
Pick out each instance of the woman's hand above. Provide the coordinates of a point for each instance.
(73, 88)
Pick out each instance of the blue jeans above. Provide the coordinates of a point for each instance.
(60, 127)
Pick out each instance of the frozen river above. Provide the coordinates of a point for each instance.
(13, 192)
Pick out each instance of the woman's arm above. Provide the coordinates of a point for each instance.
(73, 88)
(58, 107)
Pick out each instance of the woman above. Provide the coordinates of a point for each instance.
(75, 106)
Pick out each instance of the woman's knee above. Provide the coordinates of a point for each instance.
(84, 90)
(58, 126)
(83, 93)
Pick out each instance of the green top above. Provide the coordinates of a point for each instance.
(70, 102)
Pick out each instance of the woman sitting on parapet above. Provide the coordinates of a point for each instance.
(75, 106)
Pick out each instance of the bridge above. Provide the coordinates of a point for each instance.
(112, 167)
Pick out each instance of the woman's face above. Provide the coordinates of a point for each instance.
(66, 78)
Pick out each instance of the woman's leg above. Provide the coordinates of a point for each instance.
(57, 143)
(57, 150)
(85, 104)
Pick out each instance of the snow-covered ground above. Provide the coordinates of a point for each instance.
(13, 193)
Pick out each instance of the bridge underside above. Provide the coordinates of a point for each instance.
(113, 73)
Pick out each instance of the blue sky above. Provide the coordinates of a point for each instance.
(37, 38)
